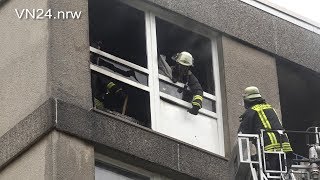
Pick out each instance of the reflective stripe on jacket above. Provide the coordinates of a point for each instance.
(263, 116)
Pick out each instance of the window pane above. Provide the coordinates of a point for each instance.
(173, 39)
(120, 29)
(170, 89)
(174, 91)
(109, 172)
(122, 70)
(209, 104)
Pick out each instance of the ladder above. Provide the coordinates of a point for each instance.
(256, 162)
(254, 158)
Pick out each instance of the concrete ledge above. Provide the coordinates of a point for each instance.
(146, 148)
(26, 132)
(116, 138)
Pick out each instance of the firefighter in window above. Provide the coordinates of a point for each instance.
(107, 93)
(180, 72)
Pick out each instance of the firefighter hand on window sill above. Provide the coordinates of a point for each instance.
(194, 110)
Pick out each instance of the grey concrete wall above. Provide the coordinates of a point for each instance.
(26, 132)
(69, 54)
(245, 66)
(31, 165)
(41, 59)
(252, 25)
(56, 156)
(23, 66)
(72, 158)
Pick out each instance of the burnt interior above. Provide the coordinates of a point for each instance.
(300, 101)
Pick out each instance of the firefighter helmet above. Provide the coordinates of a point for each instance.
(251, 92)
(184, 58)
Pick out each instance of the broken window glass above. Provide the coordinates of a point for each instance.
(122, 70)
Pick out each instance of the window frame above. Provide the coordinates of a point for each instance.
(151, 12)
(120, 61)
(127, 167)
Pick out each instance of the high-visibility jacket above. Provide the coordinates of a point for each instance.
(262, 116)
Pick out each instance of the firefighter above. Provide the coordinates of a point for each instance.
(260, 115)
(106, 92)
(192, 91)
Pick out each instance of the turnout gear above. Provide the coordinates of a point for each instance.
(192, 91)
(194, 110)
(116, 90)
(106, 93)
(260, 115)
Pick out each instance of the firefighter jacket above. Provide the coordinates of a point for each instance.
(192, 91)
(195, 90)
(106, 92)
(261, 115)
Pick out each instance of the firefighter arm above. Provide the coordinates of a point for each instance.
(246, 126)
(197, 92)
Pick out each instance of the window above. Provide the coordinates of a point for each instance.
(120, 28)
(105, 171)
(107, 168)
(117, 40)
(127, 41)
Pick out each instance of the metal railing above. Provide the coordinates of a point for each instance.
(307, 167)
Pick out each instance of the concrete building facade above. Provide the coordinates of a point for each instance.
(50, 129)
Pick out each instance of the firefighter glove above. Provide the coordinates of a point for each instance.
(194, 110)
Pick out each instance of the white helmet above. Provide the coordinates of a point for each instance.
(184, 58)
(251, 92)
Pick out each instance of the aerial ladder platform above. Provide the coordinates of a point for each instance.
(249, 158)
